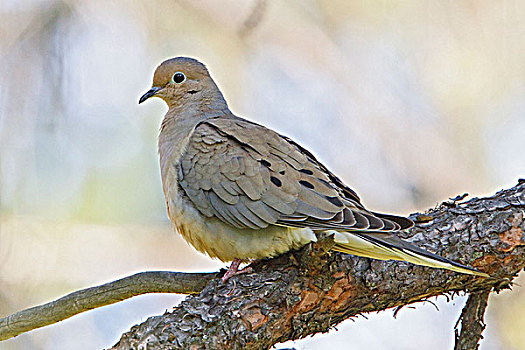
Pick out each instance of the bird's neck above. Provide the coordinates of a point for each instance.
(177, 127)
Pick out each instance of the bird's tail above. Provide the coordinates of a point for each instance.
(387, 246)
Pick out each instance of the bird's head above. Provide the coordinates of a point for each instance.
(183, 81)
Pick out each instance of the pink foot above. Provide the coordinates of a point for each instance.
(234, 267)
(234, 270)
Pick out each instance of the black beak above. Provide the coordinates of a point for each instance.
(151, 92)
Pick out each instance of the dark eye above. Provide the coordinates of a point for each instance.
(178, 78)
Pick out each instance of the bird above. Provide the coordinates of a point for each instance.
(238, 191)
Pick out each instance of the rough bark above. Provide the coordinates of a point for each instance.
(311, 290)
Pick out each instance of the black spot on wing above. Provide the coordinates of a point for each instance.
(306, 184)
(276, 181)
(335, 201)
(306, 171)
(348, 192)
(265, 163)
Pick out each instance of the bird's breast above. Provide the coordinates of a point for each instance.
(224, 242)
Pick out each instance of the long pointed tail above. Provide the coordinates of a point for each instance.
(386, 246)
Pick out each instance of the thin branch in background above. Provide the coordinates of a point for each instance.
(254, 19)
(471, 319)
(94, 297)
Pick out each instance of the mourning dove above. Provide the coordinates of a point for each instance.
(238, 191)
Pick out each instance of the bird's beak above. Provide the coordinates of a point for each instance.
(151, 92)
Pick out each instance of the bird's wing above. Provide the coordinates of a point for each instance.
(250, 177)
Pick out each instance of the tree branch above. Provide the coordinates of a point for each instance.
(109, 293)
(311, 290)
(471, 319)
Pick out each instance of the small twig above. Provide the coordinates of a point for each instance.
(397, 309)
(253, 20)
(471, 319)
(452, 202)
(109, 293)
(459, 197)
(432, 303)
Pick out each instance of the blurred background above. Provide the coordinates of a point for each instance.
(409, 102)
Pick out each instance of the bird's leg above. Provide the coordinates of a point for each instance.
(234, 267)
(234, 270)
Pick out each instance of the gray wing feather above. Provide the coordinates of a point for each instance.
(251, 177)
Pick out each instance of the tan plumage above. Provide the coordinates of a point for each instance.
(236, 190)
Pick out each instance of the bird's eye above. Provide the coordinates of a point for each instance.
(178, 78)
